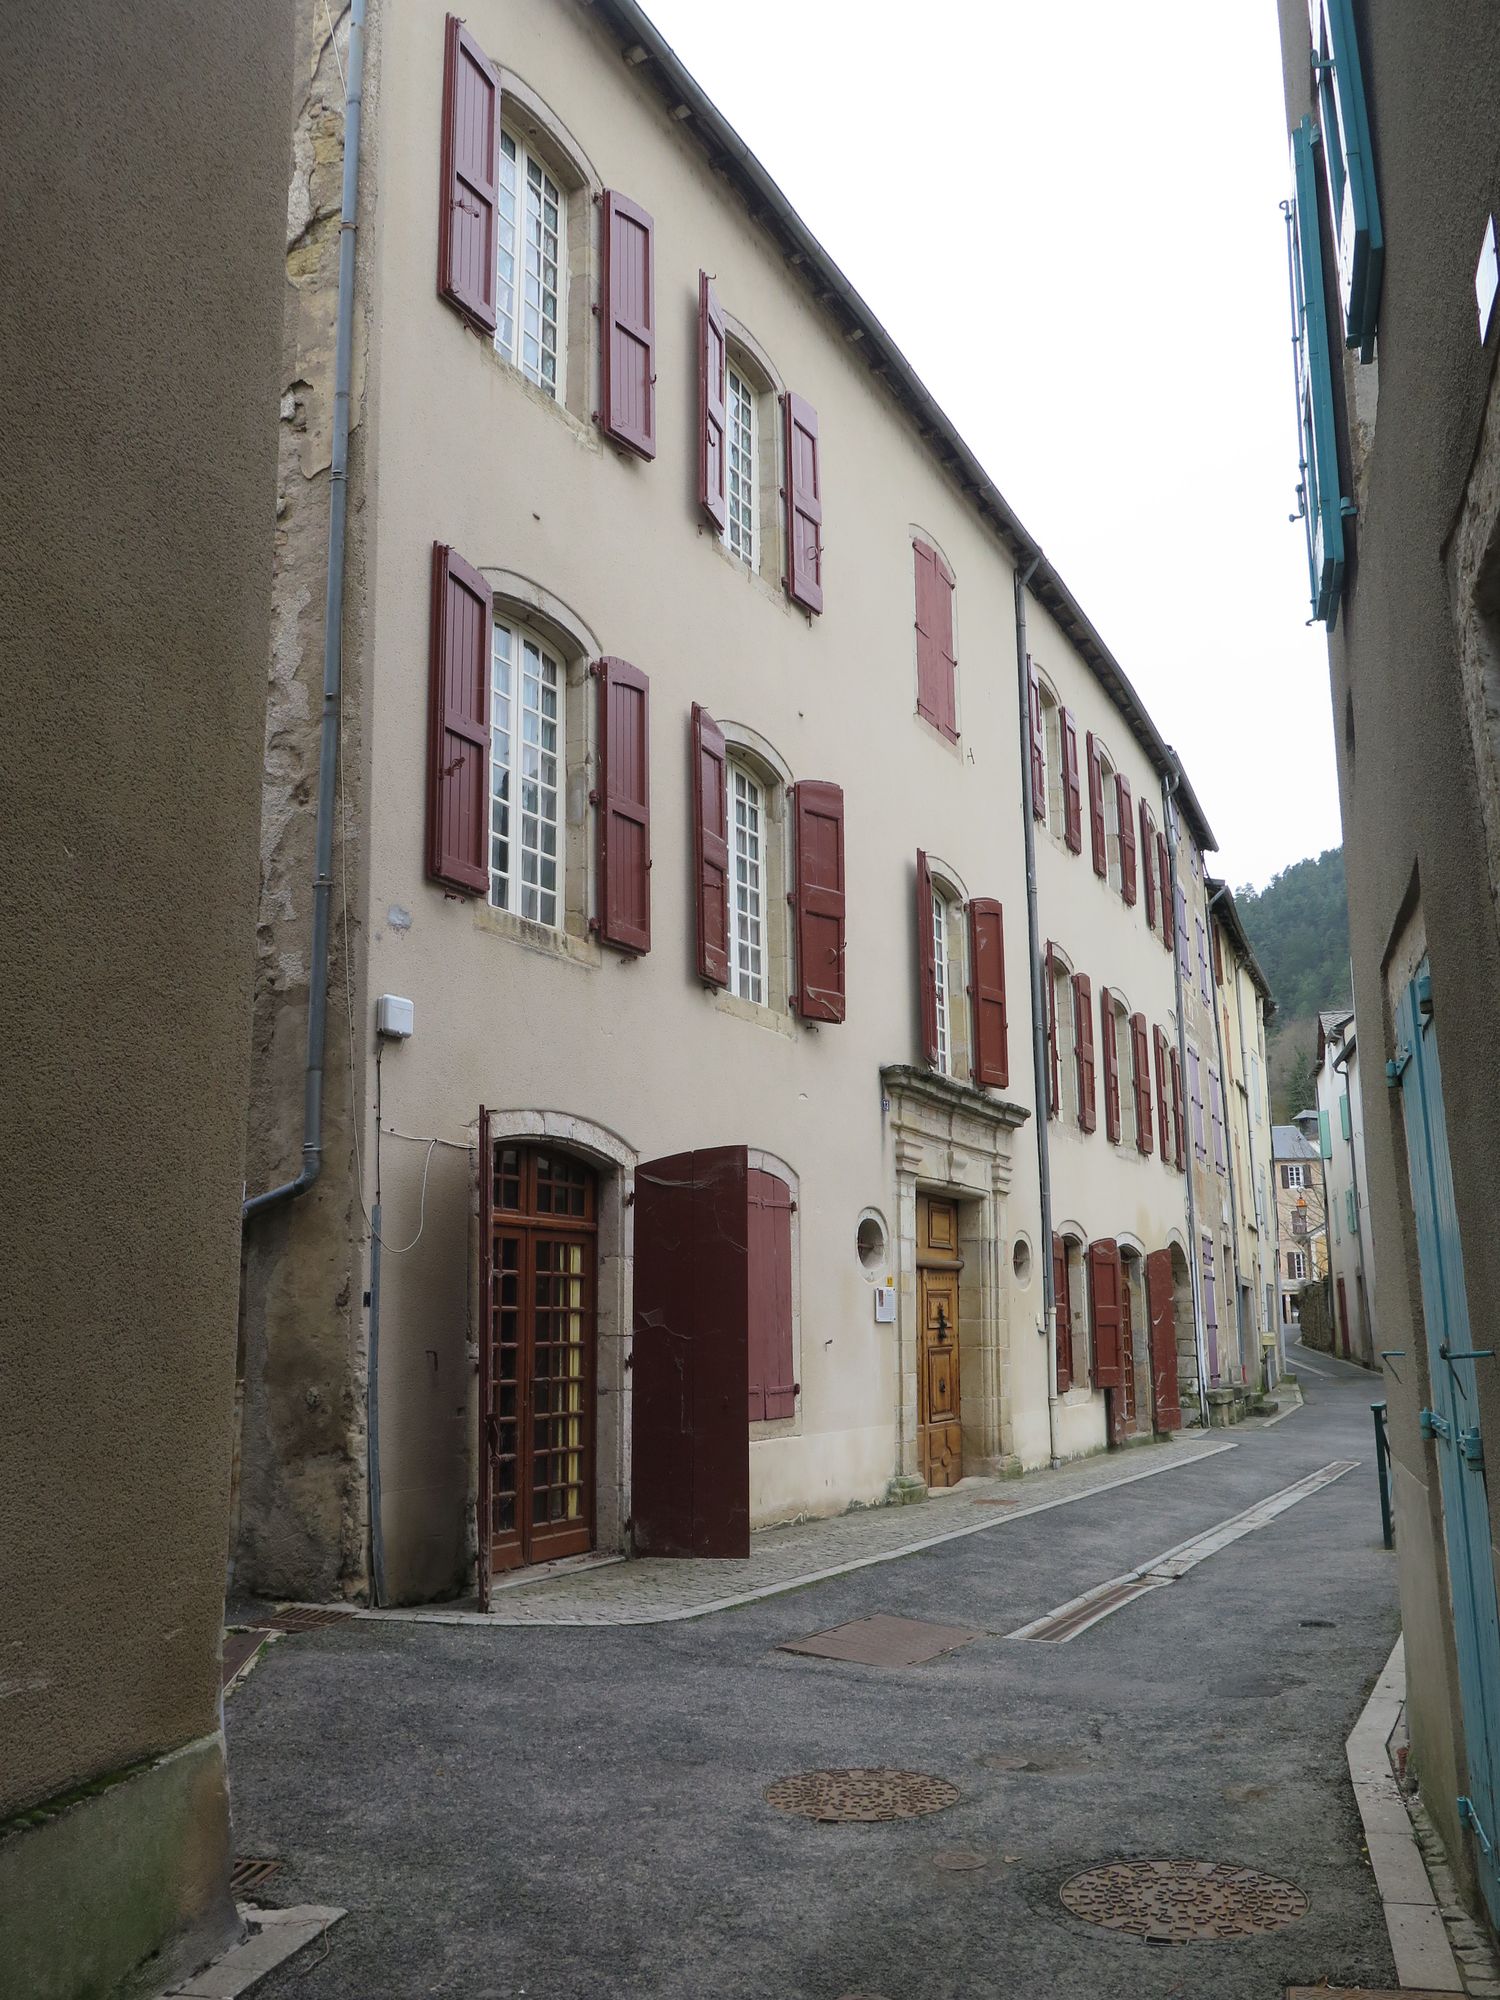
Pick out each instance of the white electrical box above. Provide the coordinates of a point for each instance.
(885, 1305)
(394, 1017)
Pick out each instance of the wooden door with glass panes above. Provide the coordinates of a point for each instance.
(939, 1412)
(536, 1400)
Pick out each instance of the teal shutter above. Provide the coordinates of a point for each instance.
(1319, 501)
(1351, 1212)
(1325, 1136)
(1349, 168)
(1346, 1123)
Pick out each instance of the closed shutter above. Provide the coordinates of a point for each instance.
(1054, 1068)
(467, 261)
(712, 420)
(1166, 1400)
(624, 806)
(773, 1393)
(1062, 1315)
(711, 846)
(1148, 863)
(1163, 1099)
(1096, 809)
(1218, 952)
(1195, 1099)
(1216, 1113)
(628, 343)
(926, 962)
(818, 900)
(803, 494)
(1072, 788)
(1083, 1049)
(1179, 1125)
(937, 661)
(1038, 742)
(1140, 1055)
(458, 725)
(1106, 1289)
(1164, 877)
(1111, 1066)
(991, 1037)
(1125, 812)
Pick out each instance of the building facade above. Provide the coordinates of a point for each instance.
(1345, 1181)
(1392, 230)
(1301, 1214)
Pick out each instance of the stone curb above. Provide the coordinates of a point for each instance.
(275, 1935)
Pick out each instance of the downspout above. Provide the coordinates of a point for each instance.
(1195, 1274)
(1038, 1016)
(1234, 1206)
(333, 622)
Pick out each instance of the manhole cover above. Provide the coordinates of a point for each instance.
(883, 1641)
(960, 1860)
(861, 1795)
(1183, 1902)
(248, 1873)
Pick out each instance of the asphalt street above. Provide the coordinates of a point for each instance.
(580, 1813)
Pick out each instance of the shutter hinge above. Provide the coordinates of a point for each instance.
(1471, 1445)
(1476, 1825)
(1397, 1065)
(1424, 995)
(1433, 1425)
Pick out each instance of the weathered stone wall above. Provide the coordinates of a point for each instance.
(1315, 1312)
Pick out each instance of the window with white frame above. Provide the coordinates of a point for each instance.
(530, 307)
(1296, 1264)
(748, 833)
(941, 985)
(526, 762)
(741, 487)
(1293, 1176)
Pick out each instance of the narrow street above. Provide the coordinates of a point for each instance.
(569, 1813)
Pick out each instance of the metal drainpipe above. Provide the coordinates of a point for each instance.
(1195, 1275)
(1234, 1206)
(372, 1391)
(333, 655)
(1038, 1015)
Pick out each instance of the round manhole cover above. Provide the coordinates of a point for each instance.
(861, 1795)
(1183, 1902)
(961, 1860)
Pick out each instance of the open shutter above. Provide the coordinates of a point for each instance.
(803, 494)
(991, 1039)
(937, 662)
(773, 1393)
(1179, 1124)
(1083, 1049)
(1164, 879)
(1054, 1067)
(467, 262)
(1125, 813)
(1148, 863)
(628, 345)
(711, 846)
(712, 420)
(1163, 1098)
(1072, 788)
(1096, 809)
(926, 961)
(1106, 1290)
(1038, 743)
(624, 806)
(458, 727)
(1062, 1315)
(1218, 944)
(1111, 1065)
(818, 900)
(1140, 1056)
(1166, 1400)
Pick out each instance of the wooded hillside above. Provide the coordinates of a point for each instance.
(1299, 925)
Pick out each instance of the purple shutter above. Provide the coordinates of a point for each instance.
(624, 806)
(711, 846)
(467, 260)
(819, 900)
(803, 494)
(628, 342)
(458, 725)
(712, 416)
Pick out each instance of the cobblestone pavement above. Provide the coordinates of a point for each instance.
(662, 1590)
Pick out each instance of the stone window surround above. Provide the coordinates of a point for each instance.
(744, 745)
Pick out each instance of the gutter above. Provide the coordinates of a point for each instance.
(1195, 1250)
(333, 649)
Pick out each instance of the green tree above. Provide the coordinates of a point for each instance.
(1301, 1089)
(1299, 926)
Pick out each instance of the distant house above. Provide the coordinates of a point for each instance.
(1301, 1210)
(1341, 1140)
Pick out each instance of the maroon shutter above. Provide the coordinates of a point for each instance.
(818, 900)
(1125, 811)
(1140, 1055)
(1038, 743)
(1096, 809)
(1164, 879)
(711, 846)
(1163, 1101)
(1166, 1398)
(1148, 863)
(628, 343)
(458, 725)
(1106, 1288)
(1062, 1315)
(1213, 931)
(926, 962)
(1072, 791)
(1179, 1129)
(773, 1393)
(712, 418)
(803, 494)
(991, 1039)
(624, 806)
(929, 699)
(1083, 1049)
(1054, 1066)
(1111, 1065)
(471, 177)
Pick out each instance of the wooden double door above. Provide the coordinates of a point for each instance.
(939, 1400)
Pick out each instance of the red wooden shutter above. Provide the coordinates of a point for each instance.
(1038, 742)
(1125, 812)
(773, 1393)
(467, 257)
(1083, 1049)
(1164, 877)
(926, 961)
(1179, 1129)
(628, 344)
(1054, 1066)
(458, 725)
(1166, 1399)
(1213, 931)
(1062, 1315)
(1106, 1301)
(1163, 1101)
(991, 1038)
(1096, 809)
(489, 1415)
(1140, 1055)
(711, 846)
(1148, 863)
(624, 806)
(937, 662)
(712, 418)
(1111, 1065)
(803, 494)
(819, 900)
(1072, 790)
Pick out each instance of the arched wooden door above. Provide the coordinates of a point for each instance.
(539, 1229)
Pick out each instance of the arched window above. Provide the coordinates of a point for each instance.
(946, 946)
(751, 384)
(758, 783)
(527, 750)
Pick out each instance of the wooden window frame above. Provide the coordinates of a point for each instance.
(523, 158)
(741, 537)
(523, 635)
(740, 981)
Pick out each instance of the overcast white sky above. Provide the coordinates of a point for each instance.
(1067, 215)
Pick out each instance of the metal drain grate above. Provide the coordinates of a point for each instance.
(248, 1873)
(299, 1618)
(861, 1795)
(1183, 1902)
